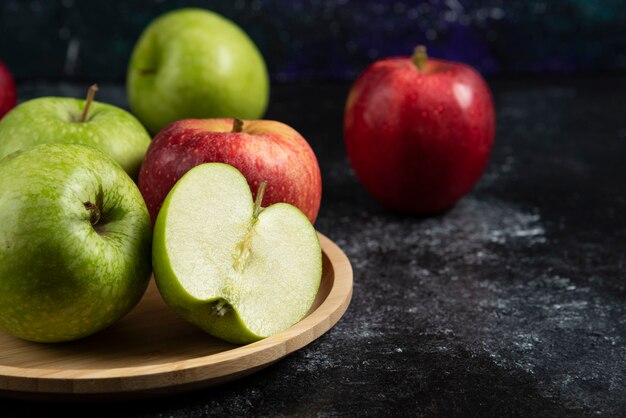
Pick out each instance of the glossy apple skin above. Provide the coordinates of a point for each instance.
(264, 151)
(419, 140)
(62, 276)
(8, 92)
(56, 120)
(193, 63)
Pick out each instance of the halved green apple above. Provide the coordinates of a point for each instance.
(222, 262)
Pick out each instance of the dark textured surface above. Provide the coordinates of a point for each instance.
(326, 40)
(510, 304)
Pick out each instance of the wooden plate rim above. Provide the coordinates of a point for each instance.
(209, 367)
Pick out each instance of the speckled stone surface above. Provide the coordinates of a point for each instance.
(513, 303)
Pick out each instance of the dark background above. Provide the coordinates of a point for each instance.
(326, 40)
(513, 303)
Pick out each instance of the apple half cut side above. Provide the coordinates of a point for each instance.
(222, 262)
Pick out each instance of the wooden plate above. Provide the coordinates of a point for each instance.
(152, 351)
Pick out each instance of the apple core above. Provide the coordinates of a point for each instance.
(91, 93)
(222, 262)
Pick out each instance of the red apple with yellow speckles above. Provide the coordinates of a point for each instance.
(262, 150)
(419, 131)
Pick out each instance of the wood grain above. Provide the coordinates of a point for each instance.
(152, 351)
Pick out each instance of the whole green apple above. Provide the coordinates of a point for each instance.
(193, 63)
(237, 270)
(75, 239)
(65, 120)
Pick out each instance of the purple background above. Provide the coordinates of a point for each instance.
(326, 40)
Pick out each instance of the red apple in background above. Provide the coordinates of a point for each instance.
(419, 131)
(8, 93)
(262, 150)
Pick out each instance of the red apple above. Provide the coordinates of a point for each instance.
(8, 93)
(419, 131)
(262, 150)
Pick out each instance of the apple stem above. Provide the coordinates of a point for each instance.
(259, 199)
(420, 57)
(91, 93)
(237, 125)
(96, 213)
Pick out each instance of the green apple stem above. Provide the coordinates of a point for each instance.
(91, 93)
(420, 57)
(242, 251)
(259, 199)
(237, 125)
(96, 213)
(94, 208)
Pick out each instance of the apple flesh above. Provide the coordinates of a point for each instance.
(261, 150)
(418, 132)
(8, 92)
(63, 120)
(74, 243)
(193, 63)
(238, 271)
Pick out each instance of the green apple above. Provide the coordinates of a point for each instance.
(193, 63)
(74, 121)
(238, 271)
(74, 243)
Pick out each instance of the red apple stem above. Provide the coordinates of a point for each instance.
(420, 57)
(259, 199)
(91, 93)
(237, 125)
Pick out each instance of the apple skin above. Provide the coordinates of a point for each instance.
(47, 120)
(205, 218)
(264, 151)
(60, 277)
(8, 92)
(193, 63)
(419, 139)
